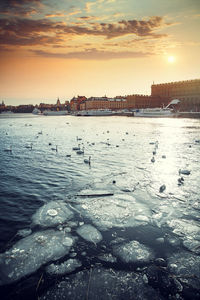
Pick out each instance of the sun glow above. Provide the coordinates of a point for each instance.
(171, 59)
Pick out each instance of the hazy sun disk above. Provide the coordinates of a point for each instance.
(171, 59)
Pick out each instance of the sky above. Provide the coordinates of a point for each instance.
(65, 48)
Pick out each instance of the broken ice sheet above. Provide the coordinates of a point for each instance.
(89, 233)
(117, 211)
(185, 266)
(66, 267)
(52, 214)
(185, 228)
(102, 284)
(134, 252)
(31, 252)
(107, 257)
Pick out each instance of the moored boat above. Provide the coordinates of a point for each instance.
(55, 112)
(36, 111)
(94, 112)
(158, 111)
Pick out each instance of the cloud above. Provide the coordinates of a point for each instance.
(92, 54)
(22, 8)
(55, 15)
(45, 31)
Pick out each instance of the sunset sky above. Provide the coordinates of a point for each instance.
(65, 48)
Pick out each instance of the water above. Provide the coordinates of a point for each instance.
(138, 225)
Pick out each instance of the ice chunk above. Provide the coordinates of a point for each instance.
(185, 266)
(133, 252)
(89, 233)
(185, 228)
(52, 214)
(24, 232)
(66, 267)
(102, 284)
(29, 253)
(192, 245)
(107, 257)
(120, 211)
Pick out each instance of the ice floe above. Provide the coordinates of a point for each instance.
(133, 252)
(185, 266)
(52, 214)
(67, 266)
(103, 284)
(120, 211)
(107, 257)
(185, 228)
(29, 253)
(24, 232)
(89, 233)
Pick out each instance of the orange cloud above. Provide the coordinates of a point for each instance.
(92, 54)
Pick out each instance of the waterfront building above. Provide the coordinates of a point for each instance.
(2, 106)
(116, 103)
(136, 101)
(187, 91)
(75, 102)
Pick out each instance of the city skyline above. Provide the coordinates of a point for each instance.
(102, 47)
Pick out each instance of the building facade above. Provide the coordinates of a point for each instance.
(187, 91)
(76, 102)
(117, 103)
(143, 101)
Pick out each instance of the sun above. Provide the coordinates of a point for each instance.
(171, 59)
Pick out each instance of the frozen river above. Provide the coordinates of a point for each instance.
(124, 226)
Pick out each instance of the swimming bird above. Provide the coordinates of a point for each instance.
(76, 148)
(8, 149)
(29, 146)
(184, 172)
(153, 159)
(180, 181)
(55, 149)
(80, 151)
(162, 188)
(68, 155)
(87, 161)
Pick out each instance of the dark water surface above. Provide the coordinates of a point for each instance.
(142, 243)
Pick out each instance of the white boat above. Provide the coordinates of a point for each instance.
(7, 112)
(158, 111)
(55, 112)
(36, 111)
(95, 112)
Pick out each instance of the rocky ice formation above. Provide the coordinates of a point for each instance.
(133, 252)
(52, 214)
(89, 233)
(66, 267)
(31, 252)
